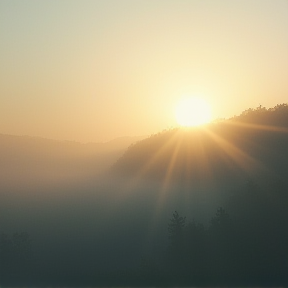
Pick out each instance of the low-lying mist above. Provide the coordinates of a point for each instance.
(87, 214)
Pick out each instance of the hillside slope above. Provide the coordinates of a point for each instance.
(253, 143)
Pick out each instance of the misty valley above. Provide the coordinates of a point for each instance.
(187, 206)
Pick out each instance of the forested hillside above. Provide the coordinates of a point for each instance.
(251, 144)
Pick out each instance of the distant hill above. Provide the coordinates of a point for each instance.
(253, 143)
(32, 160)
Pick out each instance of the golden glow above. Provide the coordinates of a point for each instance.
(192, 112)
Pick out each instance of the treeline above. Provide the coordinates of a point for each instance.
(277, 115)
(227, 252)
(232, 149)
(248, 247)
(244, 244)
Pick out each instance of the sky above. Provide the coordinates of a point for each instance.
(95, 70)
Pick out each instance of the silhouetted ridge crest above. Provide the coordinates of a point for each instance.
(277, 115)
(237, 148)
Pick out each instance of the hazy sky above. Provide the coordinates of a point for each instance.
(93, 70)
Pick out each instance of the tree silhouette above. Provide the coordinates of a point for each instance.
(176, 228)
(220, 221)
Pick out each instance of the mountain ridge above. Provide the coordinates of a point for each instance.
(29, 160)
(255, 142)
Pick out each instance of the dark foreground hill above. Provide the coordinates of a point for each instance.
(243, 147)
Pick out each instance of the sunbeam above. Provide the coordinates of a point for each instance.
(239, 157)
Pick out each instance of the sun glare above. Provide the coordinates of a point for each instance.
(192, 112)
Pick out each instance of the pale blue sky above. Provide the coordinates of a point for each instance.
(95, 70)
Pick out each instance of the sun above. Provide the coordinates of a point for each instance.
(192, 111)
